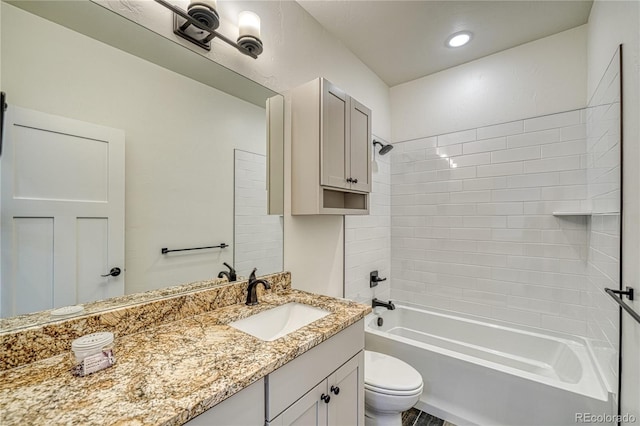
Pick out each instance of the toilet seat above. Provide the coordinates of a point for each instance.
(390, 376)
(383, 391)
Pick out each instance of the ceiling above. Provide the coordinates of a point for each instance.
(403, 40)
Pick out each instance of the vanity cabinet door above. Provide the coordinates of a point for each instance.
(310, 410)
(345, 387)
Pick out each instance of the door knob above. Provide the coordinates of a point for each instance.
(114, 272)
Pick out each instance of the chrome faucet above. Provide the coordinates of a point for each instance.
(252, 294)
(231, 275)
(375, 302)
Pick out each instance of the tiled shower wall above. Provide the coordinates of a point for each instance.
(368, 238)
(258, 236)
(472, 224)
(603, 163)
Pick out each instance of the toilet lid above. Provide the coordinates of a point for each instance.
(385, 372)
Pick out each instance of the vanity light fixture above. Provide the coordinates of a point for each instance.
(201, 20)
(459, 39)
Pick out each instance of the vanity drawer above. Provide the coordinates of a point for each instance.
(290, 382)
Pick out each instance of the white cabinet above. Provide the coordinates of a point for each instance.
(336, 401)
(242, 409)
(324, 386)
(330, 151)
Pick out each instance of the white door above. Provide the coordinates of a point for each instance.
(62, 185)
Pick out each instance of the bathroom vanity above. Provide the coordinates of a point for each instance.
(185, 363)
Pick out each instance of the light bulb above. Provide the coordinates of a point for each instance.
(249, 25)
(459, 39)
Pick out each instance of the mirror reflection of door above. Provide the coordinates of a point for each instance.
(62, 212)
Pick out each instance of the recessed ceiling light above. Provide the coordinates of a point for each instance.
(459, 39)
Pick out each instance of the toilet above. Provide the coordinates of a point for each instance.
(391, 386)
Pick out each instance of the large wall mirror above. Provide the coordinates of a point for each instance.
(183, 118)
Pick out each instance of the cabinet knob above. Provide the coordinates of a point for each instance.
(349, 180)
(354, 180)
(335, 389)
(325, 398)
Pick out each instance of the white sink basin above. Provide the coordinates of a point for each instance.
(274, 323)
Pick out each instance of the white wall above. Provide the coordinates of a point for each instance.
(542, 77)
(296, 49)
(180, 137)
(612, 23)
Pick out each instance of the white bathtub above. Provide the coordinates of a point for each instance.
(484, 373)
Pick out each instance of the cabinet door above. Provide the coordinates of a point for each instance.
(346, 388)
(360, 146)
(335, 131)
(309, 410)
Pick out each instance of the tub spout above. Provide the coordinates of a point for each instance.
(389, 305)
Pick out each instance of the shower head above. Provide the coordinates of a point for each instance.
(385, 148)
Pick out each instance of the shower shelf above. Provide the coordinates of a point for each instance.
(576, 213)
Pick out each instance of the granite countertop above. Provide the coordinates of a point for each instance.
(170, 373)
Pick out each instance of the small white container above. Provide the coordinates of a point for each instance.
(91, 344)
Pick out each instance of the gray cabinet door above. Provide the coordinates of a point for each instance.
(345, 387)
(309, 410)
(360, 146)
(335, 133)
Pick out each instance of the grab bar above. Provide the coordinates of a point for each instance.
(629, 293)
(165, 250)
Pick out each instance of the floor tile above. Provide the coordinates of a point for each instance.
(426, 419)
(410, 416)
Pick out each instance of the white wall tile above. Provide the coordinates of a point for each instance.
(521, 194)
(578, 131)
(533, 180)
(484, 183)
(470, 197)
(534, 138)
(499, 208)
(505, 169)
(515, 154)
(553, 164)
(472, 159)
(486, 145)
(560, 149)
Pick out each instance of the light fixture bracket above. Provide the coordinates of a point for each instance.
(191, 33)
(198, 33)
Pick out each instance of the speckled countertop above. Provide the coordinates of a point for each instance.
(168, 374)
